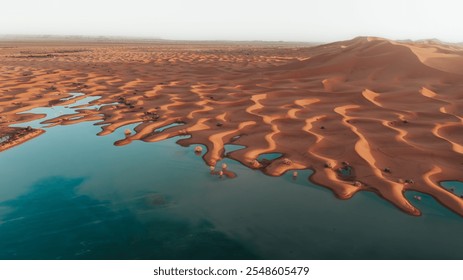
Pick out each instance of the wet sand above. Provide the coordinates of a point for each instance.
(13, 136)
(366, 114)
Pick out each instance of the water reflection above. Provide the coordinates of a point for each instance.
(53, 221)
(71, 194)
(57, 111)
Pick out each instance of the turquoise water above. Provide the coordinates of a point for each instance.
(232, 147)
(269, 156)
(454, 186)
(161, 129)
(70, 194)
(56, 111)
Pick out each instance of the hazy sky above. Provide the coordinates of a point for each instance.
(288, 20)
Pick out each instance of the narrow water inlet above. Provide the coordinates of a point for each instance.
(58, 111)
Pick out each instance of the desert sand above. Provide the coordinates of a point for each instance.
(368, 114)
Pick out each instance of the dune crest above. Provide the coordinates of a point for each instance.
(367, 114)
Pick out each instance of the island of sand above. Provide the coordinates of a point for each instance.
(367, 114)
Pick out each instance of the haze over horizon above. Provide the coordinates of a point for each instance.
(275, 20)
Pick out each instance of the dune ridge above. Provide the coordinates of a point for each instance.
(367, 114)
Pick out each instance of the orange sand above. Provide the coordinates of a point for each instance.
(392, 111)
(16, 136)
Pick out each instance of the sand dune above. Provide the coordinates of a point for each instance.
(13, 136)
(368, 114)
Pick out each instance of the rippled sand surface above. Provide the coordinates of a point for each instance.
(364, 114)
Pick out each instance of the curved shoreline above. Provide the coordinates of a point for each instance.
(383, 108)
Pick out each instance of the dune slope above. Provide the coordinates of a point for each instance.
(365, 114)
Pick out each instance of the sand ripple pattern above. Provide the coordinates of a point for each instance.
(389, 112)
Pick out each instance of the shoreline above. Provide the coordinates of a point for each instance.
(388, 110)
(22, 138)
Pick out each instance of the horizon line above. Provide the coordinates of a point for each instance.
(153, 38)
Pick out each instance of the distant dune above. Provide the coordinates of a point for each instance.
(368, 114)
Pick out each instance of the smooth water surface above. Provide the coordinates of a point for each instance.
(70, 194)
(454, 186)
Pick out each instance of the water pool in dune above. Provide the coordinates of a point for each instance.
(70, 194)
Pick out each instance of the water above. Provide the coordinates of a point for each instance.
(269, 156)
(232, 147)
(161, 129)
(70, 194)
(455, 186)
(56, 111)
